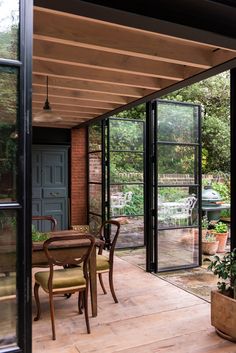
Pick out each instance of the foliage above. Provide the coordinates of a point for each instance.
(210, 237)
(205, 222)
(221, 227)
(138, 112)
(38, 236)
(223, 189)
(214, 96)
(225, 268)
(135, 206)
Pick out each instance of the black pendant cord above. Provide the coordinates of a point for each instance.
(46, 104)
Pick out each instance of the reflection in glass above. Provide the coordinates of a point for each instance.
(8, 133)
(131, 233)
(126, 200)
(95, 223)
(177, 164)
(126, 167)
(177, 122)
(126, 135)
(177, 247)
(95, 137)
(95, 198)
(177, 207)
(9, 26)
(7, 278)
(95, 167)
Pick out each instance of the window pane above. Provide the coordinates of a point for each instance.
(95, 167)
(177, 164)
(7, 278)
(95, 198)
(8, 133)
(177, 247)
(9, 27)
(95, 137)
(126, 135)
(131, 232)
(126, 167)
(126, 200)
(177, 207)
(177, 122)
(95, 223)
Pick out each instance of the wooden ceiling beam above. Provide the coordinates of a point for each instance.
(100, 59)
(78, 85)
(78, 102)
(46, 67)
(80, 31)
(69, 107)
(66, 93)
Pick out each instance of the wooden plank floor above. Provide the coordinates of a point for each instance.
(152, 316)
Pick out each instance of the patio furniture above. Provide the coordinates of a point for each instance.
(119, 200)
(39, 259)
(65, 280)
(104, 263)
(51, 219)
(184, 211)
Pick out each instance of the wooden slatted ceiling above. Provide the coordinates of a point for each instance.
(95, 66)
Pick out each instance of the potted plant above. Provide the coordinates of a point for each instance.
(223, 300)
(221, 230)
(209, 244)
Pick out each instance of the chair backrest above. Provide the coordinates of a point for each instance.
(46, 218)
(64, 259)
(83, 229)
(109, 232)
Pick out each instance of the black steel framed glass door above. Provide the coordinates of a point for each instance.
(177, 186)
(125, 179)
(15, 184)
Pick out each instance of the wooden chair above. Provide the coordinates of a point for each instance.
(46, 218)
(84, 229)
(104, 263)
(66, 280)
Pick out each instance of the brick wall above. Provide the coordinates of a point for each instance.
(78, 176)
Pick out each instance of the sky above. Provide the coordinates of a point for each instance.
(9, 14)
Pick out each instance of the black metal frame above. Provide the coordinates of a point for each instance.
(23, 206)
(109, 151)
(156, 185)
(233, 153)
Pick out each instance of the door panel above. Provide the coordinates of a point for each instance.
(51, 192)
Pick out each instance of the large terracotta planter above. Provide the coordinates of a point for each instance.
(223, 315)
(222, 237)
(209, 248)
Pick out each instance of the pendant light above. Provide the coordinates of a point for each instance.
(46, 115)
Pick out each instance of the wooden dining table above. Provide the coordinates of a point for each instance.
(39, 258)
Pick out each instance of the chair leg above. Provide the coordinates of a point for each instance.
(101, 283)
(112, 286)
(85, 297)
(36, 296)
(80, 302)
(52, 315)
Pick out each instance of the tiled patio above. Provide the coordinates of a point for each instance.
(152, 316)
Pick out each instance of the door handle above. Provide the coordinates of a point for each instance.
(54, 193)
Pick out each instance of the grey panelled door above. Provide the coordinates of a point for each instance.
(50, 184)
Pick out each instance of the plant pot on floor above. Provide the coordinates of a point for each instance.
(222, 238)
(209, 248)
(223, 315)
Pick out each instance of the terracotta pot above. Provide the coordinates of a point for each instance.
(209, 248)
(222, 237)
(223, 315)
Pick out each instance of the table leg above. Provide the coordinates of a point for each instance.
(93, 282)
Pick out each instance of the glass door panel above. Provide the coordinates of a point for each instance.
(125, 185)
(177, 188)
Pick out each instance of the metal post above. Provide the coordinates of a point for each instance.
(233, 153)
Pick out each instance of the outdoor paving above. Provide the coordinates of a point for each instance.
(152, 316)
